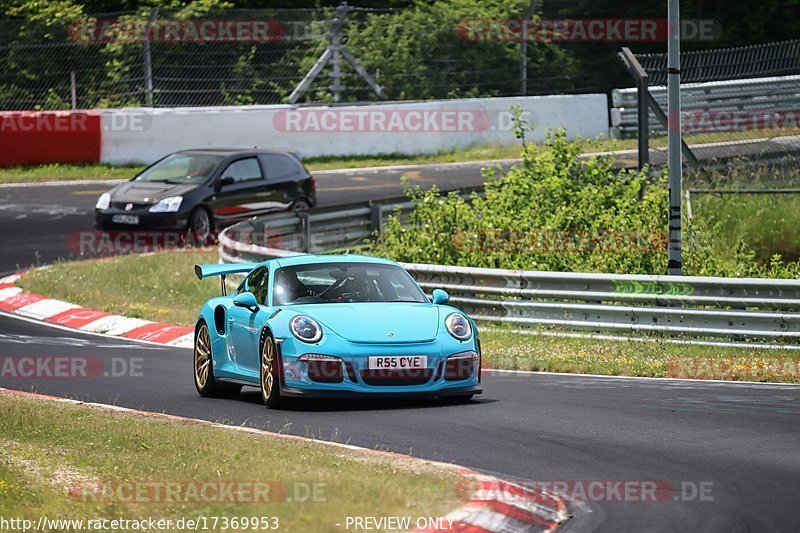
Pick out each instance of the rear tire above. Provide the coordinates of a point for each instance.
(300, 206)
(204, 380)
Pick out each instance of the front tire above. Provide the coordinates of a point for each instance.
(204, 380)
(203, 363)
(270, 382)
(201, 226)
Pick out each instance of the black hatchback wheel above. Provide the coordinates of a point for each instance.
(201, 226)
(300, 205)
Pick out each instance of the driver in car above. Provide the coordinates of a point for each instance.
(289, 288)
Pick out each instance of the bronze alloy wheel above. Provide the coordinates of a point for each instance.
(202, 358)
(270, 388)
(204, 380)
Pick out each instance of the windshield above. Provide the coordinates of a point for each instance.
(182, 168)
(344, 283)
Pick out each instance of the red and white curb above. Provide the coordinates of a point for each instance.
(493, 506)
(16, 301)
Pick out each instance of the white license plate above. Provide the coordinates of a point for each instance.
(125, 219)
(397, 362)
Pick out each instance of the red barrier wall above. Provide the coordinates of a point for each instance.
(39, 137)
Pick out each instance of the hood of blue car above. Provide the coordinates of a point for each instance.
(378, 322)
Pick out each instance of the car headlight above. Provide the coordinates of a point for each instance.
(104, 201)
(305, 329)
(458, 326)
(167, 205)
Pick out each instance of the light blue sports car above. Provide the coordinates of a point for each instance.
(333, 326)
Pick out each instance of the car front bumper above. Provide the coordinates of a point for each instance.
(104, 220)
(344, 393)
(354, 378)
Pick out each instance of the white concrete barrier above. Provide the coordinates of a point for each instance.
(142, 135)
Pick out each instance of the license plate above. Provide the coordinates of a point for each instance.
(397, 362)
(125, 219)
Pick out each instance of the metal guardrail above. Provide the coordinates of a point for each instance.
(759, 94)
(695, 307)
(326, 229)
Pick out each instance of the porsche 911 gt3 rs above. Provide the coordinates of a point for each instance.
(332, 326)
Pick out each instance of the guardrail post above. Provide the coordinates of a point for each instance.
(377, 217)
(306, 223)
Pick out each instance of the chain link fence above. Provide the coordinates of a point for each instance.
(169, 58)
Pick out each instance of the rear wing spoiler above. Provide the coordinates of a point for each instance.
(222, 270)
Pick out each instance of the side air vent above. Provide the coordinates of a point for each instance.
(219, 320)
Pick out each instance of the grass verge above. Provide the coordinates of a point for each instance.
(162, 287)
(69, 461)
(56, 172)
(507, 349)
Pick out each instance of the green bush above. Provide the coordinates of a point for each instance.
(557, 211)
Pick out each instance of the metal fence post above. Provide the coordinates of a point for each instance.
(674, 159)
(523, 60)
(644, 121)
(336, 56)
(148, 62)
(643, 88)
(73, 89)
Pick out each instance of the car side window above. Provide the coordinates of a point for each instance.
(257, 283)
(244, 170)
(279, 166)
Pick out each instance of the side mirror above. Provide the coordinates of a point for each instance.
(224, 182)
(246, 299)
(440, 297)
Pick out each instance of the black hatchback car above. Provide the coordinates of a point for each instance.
(203, 190)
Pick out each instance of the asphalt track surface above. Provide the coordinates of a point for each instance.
(740, 442)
